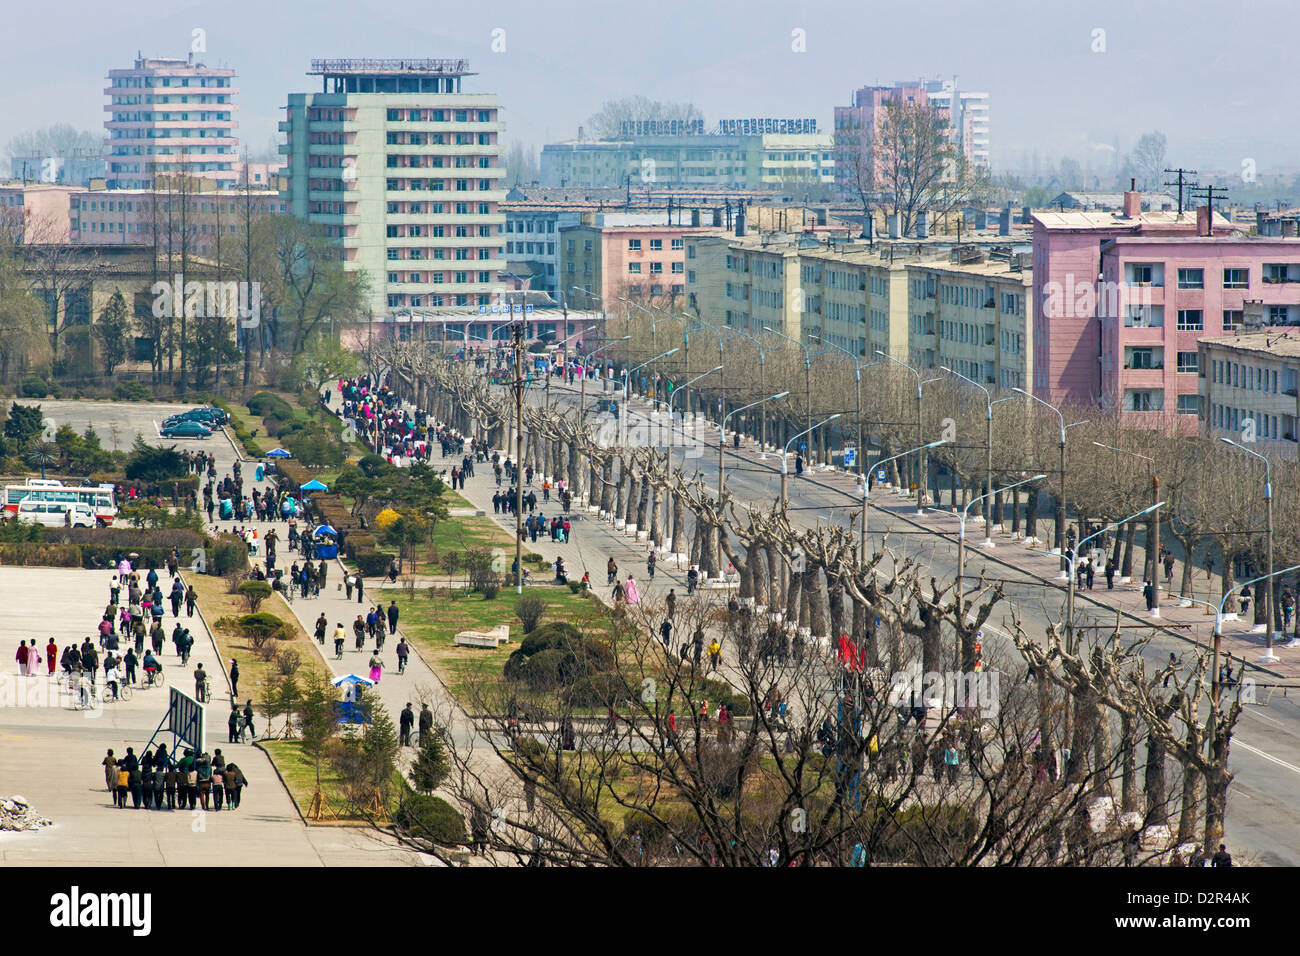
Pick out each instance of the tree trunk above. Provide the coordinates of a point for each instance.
(679, 524)
(1031, 514)
(1191, 808)
(1015, 512)
(1128, 762)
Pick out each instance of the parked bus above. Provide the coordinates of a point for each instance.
(99, 498)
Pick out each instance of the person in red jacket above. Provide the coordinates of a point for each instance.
(51, 655)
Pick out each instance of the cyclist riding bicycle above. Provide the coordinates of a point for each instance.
(152, 669)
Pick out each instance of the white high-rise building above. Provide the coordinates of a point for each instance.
(405, 170)
(969, 118)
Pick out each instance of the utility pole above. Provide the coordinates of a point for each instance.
(1208, 192)
(1180, 182)
(519, 458)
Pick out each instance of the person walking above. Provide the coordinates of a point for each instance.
(191, 600)
(361, 589)
(200, 684)
(650, 564)
(248, 721)
(1149, 593)
(51, 656)
(392, 617)
(322, 625)
(376, 666)
(405, 721)
(234, 678)
(403, 651)
(715, 654)
(671, 602)
(110, 775)
(426, 722)
(232, 725)
(630, 592)
(1110, 574)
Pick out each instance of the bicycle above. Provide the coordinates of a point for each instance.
(153, 678)
(205, 691)
(124, 691)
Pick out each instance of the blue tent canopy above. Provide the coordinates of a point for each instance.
(324, 529)
(278, 453)
(315, 485)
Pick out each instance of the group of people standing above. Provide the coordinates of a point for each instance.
(157, 781)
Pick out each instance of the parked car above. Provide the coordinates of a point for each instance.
(55, 514)
(186, 429)
(212, 417)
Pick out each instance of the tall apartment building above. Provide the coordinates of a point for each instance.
(169, 116)
(969, 118)
(533, 242)
(404, 169)
(974, 315)
(856, 126)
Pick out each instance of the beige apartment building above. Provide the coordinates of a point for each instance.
(847, 294)
(972, 313)
(1248, 389)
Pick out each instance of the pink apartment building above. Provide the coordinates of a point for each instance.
(609, 262)
(1124, 298)
(856, 125)
(129, 216)
(1067, 265)
(1182, 290)
(38, 212)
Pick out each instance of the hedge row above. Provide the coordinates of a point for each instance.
(80, 548)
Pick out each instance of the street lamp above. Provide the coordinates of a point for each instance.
(723, 431)
(807, 380)
(1074, 557)
(921, 466)
(988, 447)
(762, 387)
(866, 485)
(857, 383)
(627, 372)
(961, 536)
(1268, 657)
(1153, 546)
(1268, 510)
(786, 451)
(673, 397)
(1061, 502)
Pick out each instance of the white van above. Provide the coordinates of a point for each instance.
(54, 514)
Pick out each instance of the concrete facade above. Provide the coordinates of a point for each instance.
(1248, 385)
(404, 170)
(169, 116)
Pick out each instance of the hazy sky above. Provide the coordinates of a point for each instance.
(1218, 78)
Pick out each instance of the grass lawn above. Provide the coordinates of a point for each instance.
(432, 623)
(299, 775)
(215, 604)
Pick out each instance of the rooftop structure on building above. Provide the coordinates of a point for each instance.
(1075, 199)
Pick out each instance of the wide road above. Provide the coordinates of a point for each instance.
(1263, 818)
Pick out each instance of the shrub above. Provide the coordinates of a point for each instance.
(266, 404)
(560, 634)
(575, 587)
(372, 563)
(385, 518)
(490, 586)
(226, 554)
(430, 818)
(43, 555)
(598, 690)
(148, 463)
(33, 387)
(254, 593)
(530, 611)
(133, 392)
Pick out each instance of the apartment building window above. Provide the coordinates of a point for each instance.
(634, 245)
(1191, 320)
(677, 244)
(586, 246)
(1232, 319)
(690, 251)
(1236, 278)
(1189, 404)
(656, 268)
(1144, 400)
(1188, 361)
(690, 276)
(1277, 315)
(656, 245)
(1141, 274)
(678, 268)
(634, 268)
(1191, 278)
